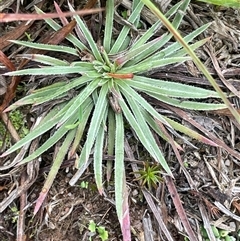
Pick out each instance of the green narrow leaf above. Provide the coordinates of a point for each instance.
(111, 141)
(189, 132)
(155, 27)
(81, 127)
(95, 123)
(108, 25)
(58, 134)
(54, 91)
(125, 30)
(81, 98)
(143, 132)
(141, 52)
(98, 154)
(48, 47)
(152, 123)
(180, 14)
(50, 142)
(127, 90)
(54, 169)
(169, 88)
(134, 5)
(47, 123)
(228, 3)
(62, 70)
(31, 99)
(87, 34)
(192, 105)
(196, 60)
(170, 50)
(44, 59)
(71, 38)
(150, 65)
(119, 166)
(182, 52)
(44, 97)
(176, 22)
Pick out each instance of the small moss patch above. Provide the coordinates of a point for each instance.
(18, 120)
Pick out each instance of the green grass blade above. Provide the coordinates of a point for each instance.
(44, 59)
(128, 91)
(150, 65)
(54, 169)
(191, 105)
(81, 98)
(81, 127)
(146, 36)
(30, 99)
(119, 166)
(125, 30)
(174, 47)
(228, 3)
(169, 52)
(170, 89)
(154, 28)
(142, 130)
(148, 51)
(176, 22)
(43, 97)
(71, 38)
(97, 118)
(51, 92)
(108, 25)
(182, 52)
(98, 155)
(47, 47)
(58, 134)
(61, 70)
(88, 35)
(134, 5)
(189, 132)
(152, 123)
(110, 141)
(149, 141)
(196, 60)
(139, 53)
(180, 14)
(46, 124)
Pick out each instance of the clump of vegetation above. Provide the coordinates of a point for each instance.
(110, 86)
(100, 231)
(150, 175)
(17, 119)
(220, 234)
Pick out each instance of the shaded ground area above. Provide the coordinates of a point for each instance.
(213, 171)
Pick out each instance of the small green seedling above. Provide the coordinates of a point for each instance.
(84, 185)
(125, 14)
(15, 213)
(150, 175)
(220, 234)
(99, 230)
(28, 36)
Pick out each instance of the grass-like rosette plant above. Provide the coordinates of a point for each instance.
(109, 83)
(150, 175)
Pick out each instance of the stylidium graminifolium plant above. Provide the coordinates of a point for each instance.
(109, 84)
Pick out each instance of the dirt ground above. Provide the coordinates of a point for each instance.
(213, 171)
